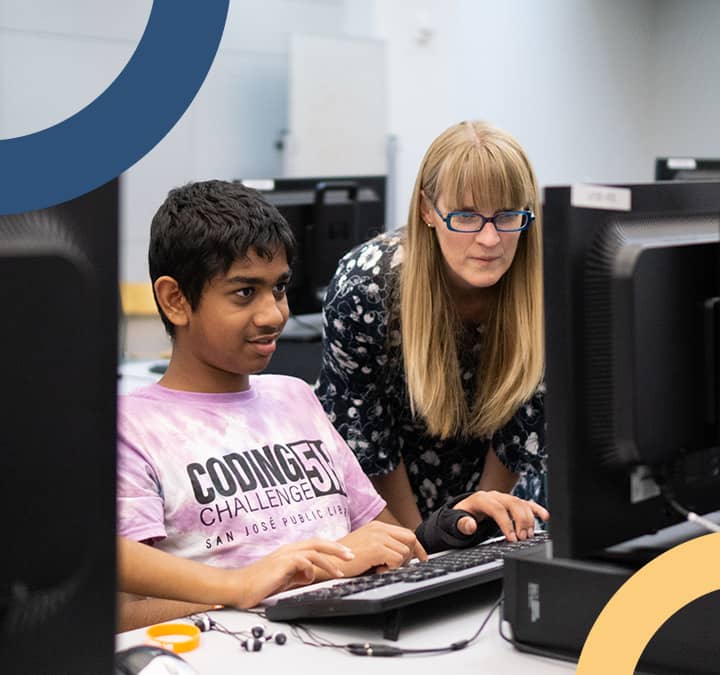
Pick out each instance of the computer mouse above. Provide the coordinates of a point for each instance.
(148, 660)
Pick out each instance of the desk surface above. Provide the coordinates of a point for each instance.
(429, 624)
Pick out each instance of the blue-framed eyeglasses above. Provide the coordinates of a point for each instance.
(504, 221)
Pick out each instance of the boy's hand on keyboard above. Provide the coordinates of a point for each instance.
(380, 545)
(291, 565)
(515, 517)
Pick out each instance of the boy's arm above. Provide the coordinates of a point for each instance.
(144, 570)
(135, 611)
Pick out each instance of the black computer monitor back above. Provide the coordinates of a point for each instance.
(633, 346)
(58, 349)
(329, 216)
(687, 168)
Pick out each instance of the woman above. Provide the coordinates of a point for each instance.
(433, 351)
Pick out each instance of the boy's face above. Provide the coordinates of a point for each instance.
(234, 329)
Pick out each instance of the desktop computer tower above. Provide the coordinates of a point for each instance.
(552, 603)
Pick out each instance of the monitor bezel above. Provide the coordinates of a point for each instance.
(566, 225)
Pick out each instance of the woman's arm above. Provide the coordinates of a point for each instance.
(492, 499)
(394, 488)
(495, 475)
(520, 445)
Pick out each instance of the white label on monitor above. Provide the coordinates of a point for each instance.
(259, 183)
(600, 197)
(642, 485)
(681, 163)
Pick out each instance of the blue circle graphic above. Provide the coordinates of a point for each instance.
(126, 121)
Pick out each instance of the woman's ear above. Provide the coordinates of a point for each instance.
(172, 301)
(426, 209)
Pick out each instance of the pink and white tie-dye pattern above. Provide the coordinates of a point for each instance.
(226, 479)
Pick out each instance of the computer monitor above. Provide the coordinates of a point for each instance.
(687, 168)
(328, 216)
(58, 350)
(632, 299)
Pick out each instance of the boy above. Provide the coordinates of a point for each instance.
(232, 487)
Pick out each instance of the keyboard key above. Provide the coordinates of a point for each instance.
(370, 593)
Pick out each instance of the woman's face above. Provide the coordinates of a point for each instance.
(472, 259)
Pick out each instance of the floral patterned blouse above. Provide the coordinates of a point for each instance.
(363, 390)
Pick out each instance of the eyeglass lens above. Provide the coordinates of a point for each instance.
(502, 220)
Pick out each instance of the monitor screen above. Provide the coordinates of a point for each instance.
(58, 350)
(632, 303)
(329, 216)
(687, 168)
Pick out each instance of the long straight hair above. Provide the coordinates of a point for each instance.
(473, 157)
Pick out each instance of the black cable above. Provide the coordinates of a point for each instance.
(315, 639)
(531, 649)
(233, 633)
(384, 649)
(689, 515)
(669, 497)
(309, 637)
(211, 624)
(250, 640)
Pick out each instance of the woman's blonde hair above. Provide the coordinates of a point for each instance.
(489, 163)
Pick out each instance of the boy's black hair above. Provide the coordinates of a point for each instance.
(202, 228)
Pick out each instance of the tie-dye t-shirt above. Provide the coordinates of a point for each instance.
(226, 479)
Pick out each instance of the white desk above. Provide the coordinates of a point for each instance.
(428, 624)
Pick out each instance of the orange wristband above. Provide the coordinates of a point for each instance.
(159, 631)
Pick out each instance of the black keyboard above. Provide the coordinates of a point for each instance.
(421, 580)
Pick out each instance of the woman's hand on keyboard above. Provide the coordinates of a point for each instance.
(380, 545)
(515, 517)
(291, 565)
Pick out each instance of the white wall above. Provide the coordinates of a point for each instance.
(422, 84)
(571, 79)
(686, 84)
(54, 62)
(239, 114)
(594, 89)
(56, 57)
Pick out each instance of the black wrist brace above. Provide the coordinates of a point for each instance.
(439, 530)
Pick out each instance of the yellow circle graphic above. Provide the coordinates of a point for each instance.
(646, 601)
